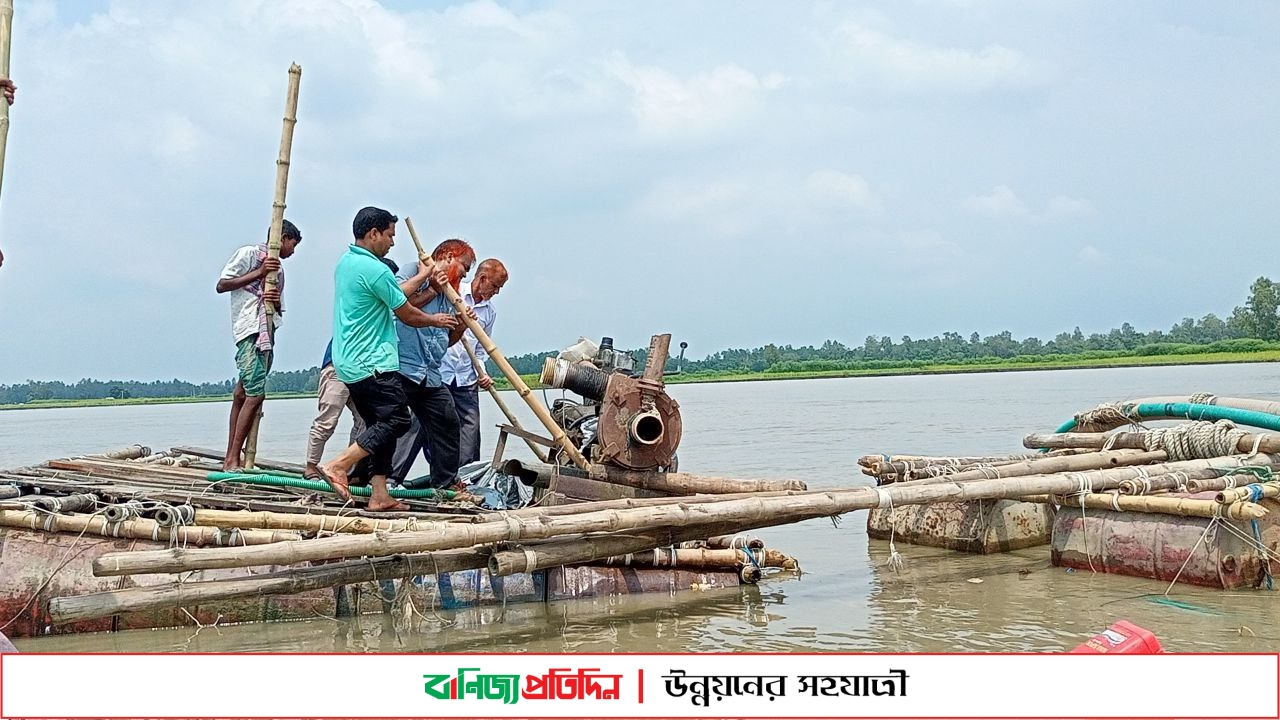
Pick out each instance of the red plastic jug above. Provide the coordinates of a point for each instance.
(1122, 637)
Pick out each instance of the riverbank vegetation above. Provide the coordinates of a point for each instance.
(1250, 334)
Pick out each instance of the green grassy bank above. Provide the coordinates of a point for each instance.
(874, 369)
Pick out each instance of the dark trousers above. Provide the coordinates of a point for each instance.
(380, 400)
(438, 431)
(466, 399)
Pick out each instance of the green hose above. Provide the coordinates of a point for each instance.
(276, 478)
(1193, 411)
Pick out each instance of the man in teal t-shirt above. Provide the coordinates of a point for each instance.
(364, 351)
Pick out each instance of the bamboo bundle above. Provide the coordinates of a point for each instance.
(699, 558)
(286, 582)
(1125, 468)
(730, 542)
(1159, 505)
(588, 548)
(731, 515)
(132, 452)
(1162, 483)
(1237, 494)
(1050, 465)
(274, 236)
(311, 524)
(676, 483)
(902, 470)
(1266, 442)
(80, 502)
(141, 529)
(1224, 481)
(557, 432)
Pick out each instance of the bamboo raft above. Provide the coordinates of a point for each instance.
(1187, 503)
(90, 543)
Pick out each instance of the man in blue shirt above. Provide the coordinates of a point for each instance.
(458, 372)
(421, 353)
(364, 350)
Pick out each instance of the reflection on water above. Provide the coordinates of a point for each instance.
(846, 598)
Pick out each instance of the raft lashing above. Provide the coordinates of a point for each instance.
(1191, 502)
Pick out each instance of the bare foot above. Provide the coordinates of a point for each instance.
(388, 504)
(311, 472)
(337, 479)
(232, 467)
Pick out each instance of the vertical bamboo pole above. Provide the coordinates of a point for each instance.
(497, 399)
(557, 432)
(277, 225)
(6, 35)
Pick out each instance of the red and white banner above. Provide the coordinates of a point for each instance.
(738, 685)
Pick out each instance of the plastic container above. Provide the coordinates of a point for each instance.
(1122, 637)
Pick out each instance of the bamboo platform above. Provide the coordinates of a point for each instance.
(62, 522)
(1191, 503)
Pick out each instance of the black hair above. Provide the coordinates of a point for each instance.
(287, 230)
(391, 265)
(372, 218)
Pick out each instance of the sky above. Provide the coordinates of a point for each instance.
(734, 173)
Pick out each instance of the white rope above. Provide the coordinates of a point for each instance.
(883, 499)
(894, 562)
(1195, 440)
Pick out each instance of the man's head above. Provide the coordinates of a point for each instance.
(290, 236)
(375, 230)
(491, 275)
(455, 257)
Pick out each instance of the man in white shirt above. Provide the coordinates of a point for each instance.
(244, 277)
(457, 372)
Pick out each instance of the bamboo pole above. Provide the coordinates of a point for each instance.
(272, 281)
(140, 529)
(557, 432)
(6, 40)
(1222, 482)
(1159, 505)
(677, 483)
(299, 522)
(1237, 494)
(732, 516)
(698, 558)
(287, 582)
(1168, 481)
(1266, 442)
(590, 548)
(1065, 463)
(497, 399)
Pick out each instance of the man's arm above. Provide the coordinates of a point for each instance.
(227, 284)
(415, 318)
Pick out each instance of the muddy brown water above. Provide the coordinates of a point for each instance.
(846, 599)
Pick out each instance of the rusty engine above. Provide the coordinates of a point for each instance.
(626, 420)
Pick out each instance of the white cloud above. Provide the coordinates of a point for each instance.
(1002, 202)
(906, 65)
(177, 139)
(664, 102)
(1062, 206)
(842, 189)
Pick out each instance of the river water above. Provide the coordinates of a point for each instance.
(846, 599)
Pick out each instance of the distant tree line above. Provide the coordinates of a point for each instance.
(1250, 327)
